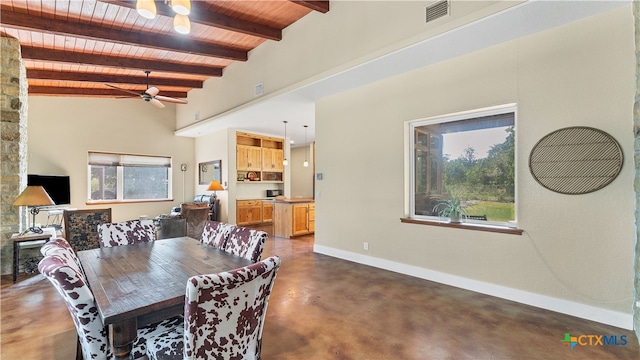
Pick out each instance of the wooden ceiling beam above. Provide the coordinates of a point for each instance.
(166, 42)
(202, 16)
(320, 6)
(112, 79)
(107, 92)
(49, 55)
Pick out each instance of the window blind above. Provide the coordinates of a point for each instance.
(114, 159)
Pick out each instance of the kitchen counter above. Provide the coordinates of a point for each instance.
(293, 217)
(294, 200)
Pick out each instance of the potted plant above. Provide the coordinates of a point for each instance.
(451, 208)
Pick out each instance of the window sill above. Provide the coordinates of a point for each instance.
(465, 226)
(101, 202)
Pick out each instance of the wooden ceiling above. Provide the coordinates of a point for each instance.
(74, 47)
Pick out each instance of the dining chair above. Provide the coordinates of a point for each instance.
(81, 227)
(126, 232)
(60, 247)
(223, 316)
(215, 234)
(67, 277)
(196, 216)
(246, 243)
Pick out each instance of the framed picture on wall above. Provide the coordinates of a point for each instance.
(209, 171)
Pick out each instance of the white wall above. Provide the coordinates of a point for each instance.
(319, 45)
(62, 130)
(301, 177)
(576, 253)
(212, 147)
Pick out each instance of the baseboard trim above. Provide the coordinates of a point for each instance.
(588, 312)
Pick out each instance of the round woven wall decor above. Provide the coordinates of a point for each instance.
(576, 160)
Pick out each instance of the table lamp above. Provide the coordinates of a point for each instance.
(34, 197)
(215, 185)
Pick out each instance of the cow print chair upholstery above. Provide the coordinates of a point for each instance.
(246, 243)
(126, 233)
(216, 233)
(223, 316)
(61, 248)
(61, 268)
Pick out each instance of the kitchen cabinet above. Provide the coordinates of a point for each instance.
(300, 219)
(272, 160)
(248, 158)
(248, 212)
(294, 217)
(259, 158)
(267, 211)
(312, 218)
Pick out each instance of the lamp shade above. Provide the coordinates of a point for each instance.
(215, 185)
(146, 8)
(33, 196)
(181, 24)
(182, 7)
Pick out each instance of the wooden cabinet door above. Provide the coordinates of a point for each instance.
(267, 159)
(272, 160)
(248, 158)
(248, 212)
(242, 215)
(255, 158)
(300, 219)
(278, 157)
(312, 218)
(242, 157)
(267, 212)
(255, 214)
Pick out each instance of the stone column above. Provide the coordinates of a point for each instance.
(13, 145)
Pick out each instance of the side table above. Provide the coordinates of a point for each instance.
(27, 241)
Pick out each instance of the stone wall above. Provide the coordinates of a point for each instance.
(636, 157)
(13, 145)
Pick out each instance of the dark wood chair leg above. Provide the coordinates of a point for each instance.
(78, 350)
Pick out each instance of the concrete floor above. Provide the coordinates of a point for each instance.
(326, 308)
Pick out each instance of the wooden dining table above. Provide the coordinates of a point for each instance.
(140, 284)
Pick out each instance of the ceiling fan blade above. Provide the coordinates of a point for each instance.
(157, 103)
(171, 100)
(153, 91)
(124, 90)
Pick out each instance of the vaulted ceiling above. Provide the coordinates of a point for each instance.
(75, 47)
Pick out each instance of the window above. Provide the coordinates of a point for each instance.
(470, 156)
(124, 177)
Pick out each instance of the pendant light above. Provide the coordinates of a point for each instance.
(285, 162)
(146, 8)
(306, 147)
(182, 7)
(181, 24)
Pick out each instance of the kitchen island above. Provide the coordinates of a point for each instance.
(293, 217)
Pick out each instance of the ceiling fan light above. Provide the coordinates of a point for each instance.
(146, 8)
(181, 24)
(182, 7)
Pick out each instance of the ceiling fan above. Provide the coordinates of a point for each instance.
(151, 95)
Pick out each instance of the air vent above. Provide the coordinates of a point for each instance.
(258, 90)
(437, 10)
